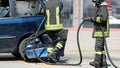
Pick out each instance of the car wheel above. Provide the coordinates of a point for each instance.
(22, 46)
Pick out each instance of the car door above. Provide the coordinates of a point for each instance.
(6, 28)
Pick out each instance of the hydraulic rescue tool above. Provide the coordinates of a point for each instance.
(36, 49)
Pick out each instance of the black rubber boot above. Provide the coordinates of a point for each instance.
(104, 63)
(99, 62)
(52, 56)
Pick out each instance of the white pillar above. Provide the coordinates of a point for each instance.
(77, 12)
(81, 10)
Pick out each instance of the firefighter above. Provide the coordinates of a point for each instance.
(100, 20)
(54, 28)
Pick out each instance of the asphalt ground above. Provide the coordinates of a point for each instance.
(71, 52)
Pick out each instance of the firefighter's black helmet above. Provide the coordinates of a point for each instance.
(98, 2)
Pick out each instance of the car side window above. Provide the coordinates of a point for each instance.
(28, 7)
(4, 8)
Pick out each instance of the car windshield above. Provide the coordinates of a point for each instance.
(19, 8)
(30, 7)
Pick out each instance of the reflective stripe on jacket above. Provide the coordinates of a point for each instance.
(53, 8)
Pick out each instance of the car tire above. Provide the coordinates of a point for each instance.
(22, 45)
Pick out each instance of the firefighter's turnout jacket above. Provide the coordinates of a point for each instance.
(101, 19)
(53, 25)
(53, 8)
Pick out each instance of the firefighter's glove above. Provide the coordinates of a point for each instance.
(87, 19)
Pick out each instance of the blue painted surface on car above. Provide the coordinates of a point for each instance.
(12, 30)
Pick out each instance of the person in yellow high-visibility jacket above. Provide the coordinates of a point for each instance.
(100, 20)
(54, 28)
